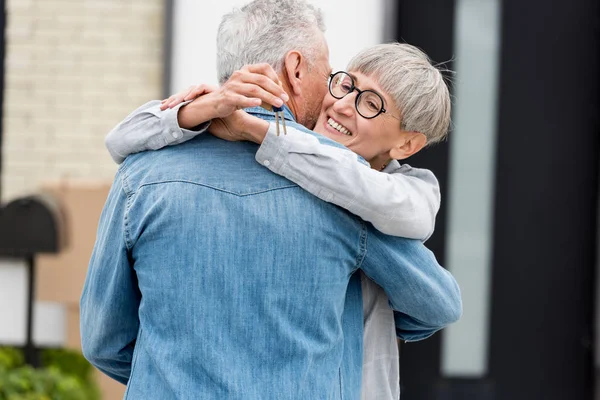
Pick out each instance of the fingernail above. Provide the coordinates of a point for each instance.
(285, 97)
(278, 102)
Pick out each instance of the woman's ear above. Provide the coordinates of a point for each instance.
(413, 143)
(294, 70)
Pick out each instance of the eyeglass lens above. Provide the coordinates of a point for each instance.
(368, 104)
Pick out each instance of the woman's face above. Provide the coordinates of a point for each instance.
(371, 138)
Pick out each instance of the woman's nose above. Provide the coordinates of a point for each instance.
(345, 105)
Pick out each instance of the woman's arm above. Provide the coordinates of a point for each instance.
(149, 128)
(158, 124)
(401, 201)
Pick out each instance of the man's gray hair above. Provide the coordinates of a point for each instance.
(265, 31)
(418, 88)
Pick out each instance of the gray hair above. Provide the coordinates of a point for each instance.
(265, 31)
(418, 88)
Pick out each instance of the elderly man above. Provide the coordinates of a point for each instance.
(213, 278)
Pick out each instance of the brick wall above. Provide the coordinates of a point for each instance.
(74, 69)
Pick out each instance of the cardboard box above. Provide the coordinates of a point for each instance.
(60, 277)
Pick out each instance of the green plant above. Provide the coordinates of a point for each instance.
(66, 376)
(10, 358)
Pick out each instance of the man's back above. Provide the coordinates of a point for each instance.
(242, 278)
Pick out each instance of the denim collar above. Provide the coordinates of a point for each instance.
(287, 113)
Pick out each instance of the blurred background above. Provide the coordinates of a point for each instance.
(518, 225)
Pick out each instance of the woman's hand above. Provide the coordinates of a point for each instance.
(250, 86)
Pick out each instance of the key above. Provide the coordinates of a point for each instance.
(278, 116)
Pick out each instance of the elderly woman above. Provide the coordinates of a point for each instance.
(389, 104)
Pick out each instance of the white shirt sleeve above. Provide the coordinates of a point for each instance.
(399, 201)
(148, 128)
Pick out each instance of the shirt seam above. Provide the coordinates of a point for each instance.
(217, 188)
(341, 384)
(129, 194)
(362, 252)
(134, 360)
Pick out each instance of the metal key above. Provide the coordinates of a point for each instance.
(278, 116)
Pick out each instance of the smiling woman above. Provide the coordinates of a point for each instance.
(395, 80)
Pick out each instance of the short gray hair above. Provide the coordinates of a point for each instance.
(418, 88)
(265, 31)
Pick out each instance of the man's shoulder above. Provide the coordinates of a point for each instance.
(204, 160)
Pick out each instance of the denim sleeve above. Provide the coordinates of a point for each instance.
(148, 128)
(402, 201)
(424, 296)
(110, 299)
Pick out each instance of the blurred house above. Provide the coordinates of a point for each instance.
(72, 70)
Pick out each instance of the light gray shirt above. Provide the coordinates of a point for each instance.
(399, 201)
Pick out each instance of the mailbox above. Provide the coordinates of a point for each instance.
(29, 226)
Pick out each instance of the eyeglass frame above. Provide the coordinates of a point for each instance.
(360, 92)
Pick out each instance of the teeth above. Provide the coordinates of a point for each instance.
(338, 127)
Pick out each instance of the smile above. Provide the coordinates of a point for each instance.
(338, 127)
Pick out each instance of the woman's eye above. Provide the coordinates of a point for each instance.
(346, 87)
(372, 106)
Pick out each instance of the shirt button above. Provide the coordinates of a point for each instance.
(266, 163)
(175, 134)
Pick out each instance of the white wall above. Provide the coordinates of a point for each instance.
(351, 26)
(13, 302)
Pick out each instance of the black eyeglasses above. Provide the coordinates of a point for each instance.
(369, 103)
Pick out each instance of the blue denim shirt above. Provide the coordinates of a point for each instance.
(213, 278)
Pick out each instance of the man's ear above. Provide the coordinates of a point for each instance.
(294, 70)
(413, 143)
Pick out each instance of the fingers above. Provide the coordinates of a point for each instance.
(260, 81)
(264, 69)
(242, 102)
(272, 93)
(172, 101)
(190, 93)
(175, 99)
(165, 103)
(199, 90)
(256, 91)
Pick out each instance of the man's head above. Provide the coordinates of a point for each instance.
(413, 93)
(288, 34)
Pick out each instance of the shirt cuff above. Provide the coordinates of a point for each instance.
(271, 152)
(172, 132)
